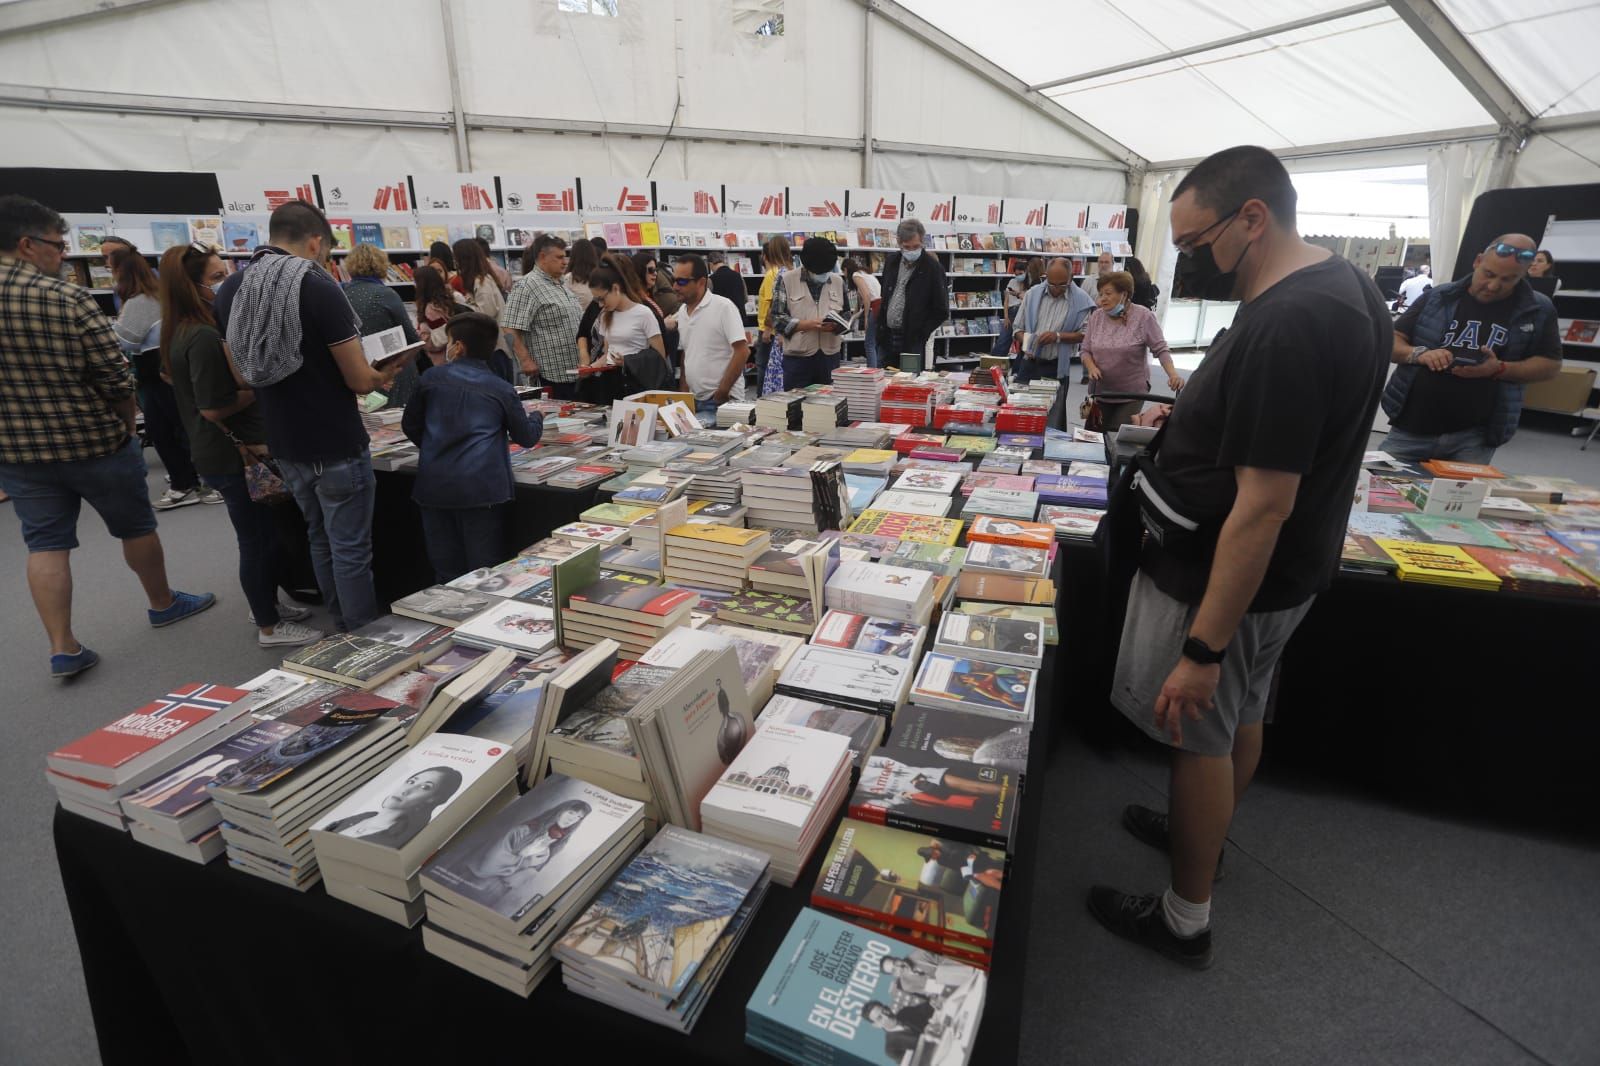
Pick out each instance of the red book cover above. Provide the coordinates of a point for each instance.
(638, 599)
(149, 727)
(635, 238)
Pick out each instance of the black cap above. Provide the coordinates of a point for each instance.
(819, 255)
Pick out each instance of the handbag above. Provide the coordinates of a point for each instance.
(262, 476)
(1089, 411)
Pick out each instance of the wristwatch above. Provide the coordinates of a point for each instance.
(1416, 354)
(1198, 651)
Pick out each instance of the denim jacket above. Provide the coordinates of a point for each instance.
(1079, 307)
(459, 418)
(1530, 314)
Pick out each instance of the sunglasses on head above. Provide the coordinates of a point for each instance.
(1523, 255)
(201, 248)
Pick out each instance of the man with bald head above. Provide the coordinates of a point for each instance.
(1466, 350)
(1052, 317)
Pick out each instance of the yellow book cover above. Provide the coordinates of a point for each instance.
(650, 234)
(435, 233)
(1437, 563)
(872, 455)
(732, 536)
(922, 529)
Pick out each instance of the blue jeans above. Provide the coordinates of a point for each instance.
(337, 498)
(257, 532)
(1002, 343)
(559, 390)
(872, 338)
(1464, 446)
(48, 496)
(802, 370)
(461, 539)
(163, 424)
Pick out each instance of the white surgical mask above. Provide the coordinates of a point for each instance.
(911, 255)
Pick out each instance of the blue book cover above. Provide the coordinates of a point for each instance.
(867, 997)
(369, 233)
(240, 236)
(1072, 490)
(1074, 449)
(863, 490)
(168, 234)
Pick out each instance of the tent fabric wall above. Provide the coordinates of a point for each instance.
(904, 170)
(1457, 174)
(1567, 157)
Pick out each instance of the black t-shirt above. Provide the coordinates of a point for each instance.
(1292, 385)
(201, 379)
(727, 283)
(311, 415)
(1439, 402)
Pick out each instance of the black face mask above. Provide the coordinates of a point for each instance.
(1203, 278)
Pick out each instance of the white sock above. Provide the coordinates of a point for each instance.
(1185, 919)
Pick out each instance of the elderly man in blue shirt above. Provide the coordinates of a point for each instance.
(1051, 321)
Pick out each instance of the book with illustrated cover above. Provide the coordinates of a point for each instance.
(397, 238)
(1073, 491)
(1438, 564)
(772, 788)
(943, 483)
(958, 683)
(616, 514)
(207, 231)
(136, 742)
(948, 774)
(863, 730)
(821, 986)
(323, 726)
(166, 234)
(1045, 614)
(595, 732)
(1442, 530)
(1578, 541)
(348, 659)
(876, 636)
(1071, 523)
(1362, 554)
(618, 598)
(876, 683)
(369, 233)
(920, 528)
(240, 236)
(913, 880)
(443, 605)
(343, 232)
(1013, 641)
(934, 558)
(181, 799)
(526, 628)
(1533, 572)
(785, 614)
(1005, 588)
(590, 533)
(1389, 526)
(496, 581)
(1449, 468)
(509, 711)
(906, 501)
(507, 871)
(990, 558)
(881, 590)
(659, 918)
(1023, 534)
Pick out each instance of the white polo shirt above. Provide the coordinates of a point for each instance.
(707, 336)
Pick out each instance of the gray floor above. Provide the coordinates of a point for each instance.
(1348, 930)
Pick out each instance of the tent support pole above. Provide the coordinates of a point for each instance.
(458, 114)
(866, 99)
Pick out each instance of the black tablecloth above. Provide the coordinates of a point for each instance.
(204, 964)
(1474, 700)
(400, 556)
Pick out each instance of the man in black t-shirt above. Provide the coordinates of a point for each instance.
(1263, 448)
(314, 429)
(1465, 351)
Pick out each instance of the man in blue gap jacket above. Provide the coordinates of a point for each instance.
(459, 418)
(1466, 350)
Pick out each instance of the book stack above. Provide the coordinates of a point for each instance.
(861, 386)
(901, 525)
(948, 774)
(913, 886)
(1438, 564)
(960, 683)
(442, 605)
(1072, 524)
(633, 615)
(765, 610)
(269, 800)
(1544, 575)
(863, 731)
(907, 403)
(780, 410)
(766, 454)
(713, 556)
(536, 468)
(807, 1015)
(779, 497)
(865, 435)
(761, 656)
(932, 482)
(997, 530)
(780, 569)
(93, 774)
(502, 893)
(881, 591)
(859, 680)
(658, 938)
(877, 462)
(989, 558)
(371, 847)
(822, 412)
(591, 533)
(863, 490)
(714, 482)
(505, 581)
(355, 661)
(875, 636)
(1011, 641)
(780, 793)
(591, 741)
(508, 709)
(1004, 503)
(526, 628)
(736, 413)
(1360, 554)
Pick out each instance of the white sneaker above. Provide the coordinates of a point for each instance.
(174, 498)
(211, 496)
(289, 635)
(287, 612)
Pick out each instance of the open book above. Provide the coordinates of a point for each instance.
(844, 323)
(385, 347)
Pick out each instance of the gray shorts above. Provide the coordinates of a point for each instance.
(1152, 643)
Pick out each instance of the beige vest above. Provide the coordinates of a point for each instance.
(801, 305)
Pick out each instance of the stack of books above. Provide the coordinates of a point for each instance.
(991, 558)
(1074, 525)
(1545, 575)
(502, 893)
(1010, 641)
(505, 582)
(911, 502)
(779, 497)
(959, 683)
(780, 794)
(714, 482)
(371, 847)
(861, 386)
(355, 661)
(526, 628)
(877, 462)
(866, 435)
(269, 800)
(591, 533)
(781, 568)
(949, 774)
(822, 412)
(632, 614)
(1438, 564)
(443, 605)
(591, 740)
(93, 774)
(847, 1014)
(736, 413)
(1005, 503)
(881, 591)
(1011, 531)
(863, 731)
(713, 556)
(936, 482)
(900, 525)
(878, 684)
(771, 611)
(915, 886)
(658, 938)
(779, 410)
(875, 636)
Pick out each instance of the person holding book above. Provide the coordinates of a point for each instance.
(1016, 289)
(629, 332)
(1465, 351)
(715, 348)
(919, 299)
(1118, 340)
(67, 432)
(459, 419)
(225, 432)
(1051, 325)
(296, 340)
(776, 257)
(802, 302)
(1258, 456)
(541, 318)
(379, 307)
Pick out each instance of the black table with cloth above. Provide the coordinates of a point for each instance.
(205, 964)
(1482, 702)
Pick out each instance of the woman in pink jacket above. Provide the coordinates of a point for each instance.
(1118, 340)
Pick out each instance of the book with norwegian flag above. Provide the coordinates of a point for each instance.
(147, 739)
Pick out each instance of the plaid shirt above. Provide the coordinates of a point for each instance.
(546, 315)
(60, 371)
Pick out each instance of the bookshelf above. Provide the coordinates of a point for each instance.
(1575, 244)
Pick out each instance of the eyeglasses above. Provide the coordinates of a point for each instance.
(1523, 255)
(60, 246)
(1187, 245)
(681, 282)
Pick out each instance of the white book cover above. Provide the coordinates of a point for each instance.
(523, 627)
(779, 775)
(853, 676)
(943, 483)
(414, 790)
(901, 501)
(1007, 559)
(856, 586)
(495, 582)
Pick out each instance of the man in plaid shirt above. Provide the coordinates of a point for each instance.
(542, 317)
(67, 431)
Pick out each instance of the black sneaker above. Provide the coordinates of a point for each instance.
(1150, 826)
(1139, 919)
